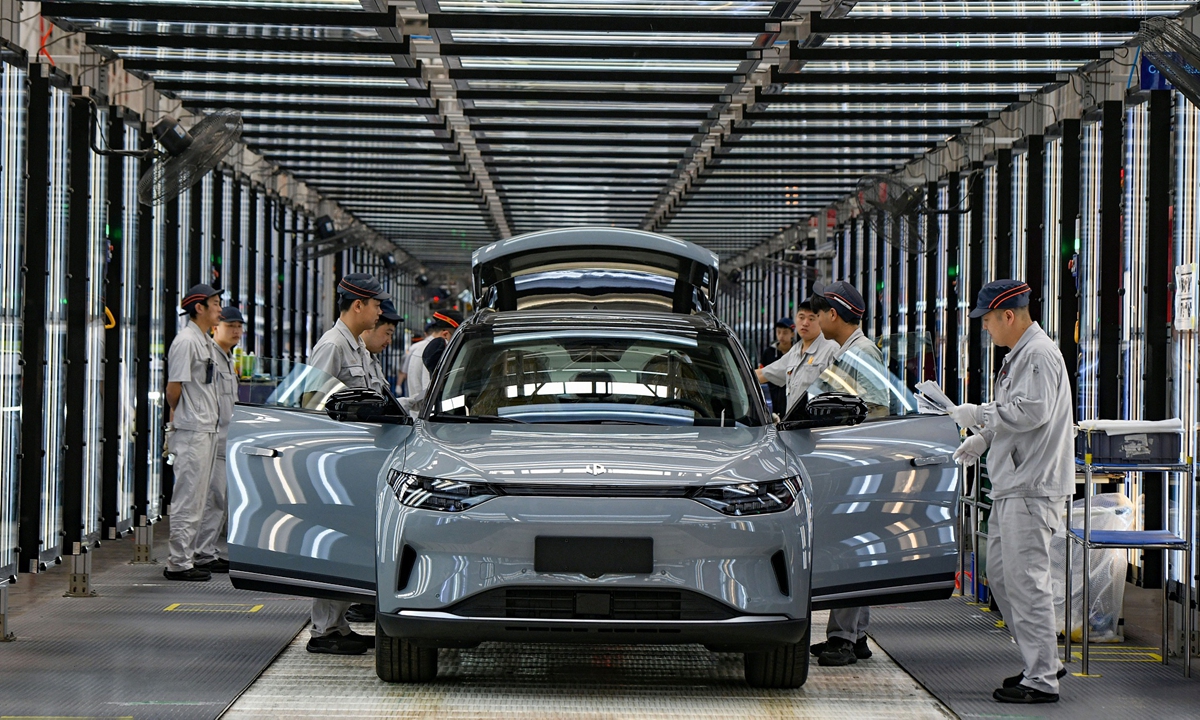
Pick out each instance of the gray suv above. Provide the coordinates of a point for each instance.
(595, 464)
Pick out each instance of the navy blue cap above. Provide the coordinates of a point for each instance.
(230, 314)
(999, 295)
(843, 297)
(197, 294)
(387, 312)
(786, 323)
(443, 319)
(361, 286)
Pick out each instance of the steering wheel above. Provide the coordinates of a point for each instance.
(683, 402)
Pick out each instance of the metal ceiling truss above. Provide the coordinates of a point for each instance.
(445, 128)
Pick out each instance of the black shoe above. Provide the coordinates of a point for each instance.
(1015, 680)
(191, 574)
(215, 566)
(1024, 695)
(862, 651)
(837, 653)
(335, 644)
(361, 612)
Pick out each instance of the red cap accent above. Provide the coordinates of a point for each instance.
(1009, 293)
(443, 318)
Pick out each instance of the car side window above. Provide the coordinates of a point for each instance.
(861, 372)
(286, 384)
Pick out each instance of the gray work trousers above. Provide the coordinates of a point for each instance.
(195, 453)
(848, 623)
(212, 523)
(328, 617)
(1018, 573)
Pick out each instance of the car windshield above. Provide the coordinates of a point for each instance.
(862, 371)
(596, 375)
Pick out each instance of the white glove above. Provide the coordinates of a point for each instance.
(967, 415)
(971, 450)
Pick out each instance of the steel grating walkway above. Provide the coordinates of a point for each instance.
(145, 647)
(956, 651)
(543, 681)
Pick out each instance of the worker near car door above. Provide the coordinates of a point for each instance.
(785, 336)
(342, 354)
(800, 367)
(193, 390)
(839, 308)
(227, 334)
(1028, 434)
(445, 322)
(378, 339)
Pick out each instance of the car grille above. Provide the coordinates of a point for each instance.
(592, 604)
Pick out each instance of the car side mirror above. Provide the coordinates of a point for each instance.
(825, 410)
(362, 405)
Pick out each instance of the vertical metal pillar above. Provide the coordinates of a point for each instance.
(233, 264)
(173, 235)
(1111, 241)
(251, 241)
(114, 433)
(267, 257)
(215, 262)
(934, 267)
(975, 347)
(878, 270)
(953, 273)
(1001, 252)
(75, 436)
(1035, 231)
(143, 454)
(33, 352)
(1157, 382)
(198, 267)
(1065, 236)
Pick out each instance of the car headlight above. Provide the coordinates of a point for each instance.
(436, 494)
(749, 498)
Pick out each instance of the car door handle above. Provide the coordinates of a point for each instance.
(930, 460)
(261, 452)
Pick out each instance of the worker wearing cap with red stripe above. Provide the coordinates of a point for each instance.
(445, 322)
(1028, 434)
(193, 394)
(342, 354)
(840, 308)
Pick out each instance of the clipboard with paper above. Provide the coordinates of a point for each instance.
(932, 394)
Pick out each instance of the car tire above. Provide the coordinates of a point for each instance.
(401, 661)
(782, 668)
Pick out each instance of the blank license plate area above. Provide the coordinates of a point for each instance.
(593, 556)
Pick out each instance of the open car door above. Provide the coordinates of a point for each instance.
(302, 491)
(595, 268)
(884, 493)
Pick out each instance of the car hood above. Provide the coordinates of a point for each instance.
(594, 454)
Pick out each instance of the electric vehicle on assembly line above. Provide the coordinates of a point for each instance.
(595, 464)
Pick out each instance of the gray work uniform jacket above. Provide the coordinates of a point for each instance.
(868, 384)
(375, 377)
(341, 355)
(798, 369)
(1030, 428)
(193, 361)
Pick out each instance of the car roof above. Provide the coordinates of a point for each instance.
(522, 320)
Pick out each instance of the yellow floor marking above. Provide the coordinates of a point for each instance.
(213, 607)
(65, 717)
(1119, 655)
(1090, 675)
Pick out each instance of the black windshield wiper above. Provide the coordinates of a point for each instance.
(443, 417)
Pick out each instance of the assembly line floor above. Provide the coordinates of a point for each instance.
(149, 648)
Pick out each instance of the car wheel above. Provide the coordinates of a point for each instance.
(401, 661)
(784, 667)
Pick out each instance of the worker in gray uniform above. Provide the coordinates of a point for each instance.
(378, 339)
(192, 394)
(341, 353)
(445, 322)
(227, 334)
(1028, 434)
(800, 366)
(839, 308)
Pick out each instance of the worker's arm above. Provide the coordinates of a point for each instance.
(1029, 402)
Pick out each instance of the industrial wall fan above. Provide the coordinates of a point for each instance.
(1175, 52)
(186, 156)
(893, 207)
